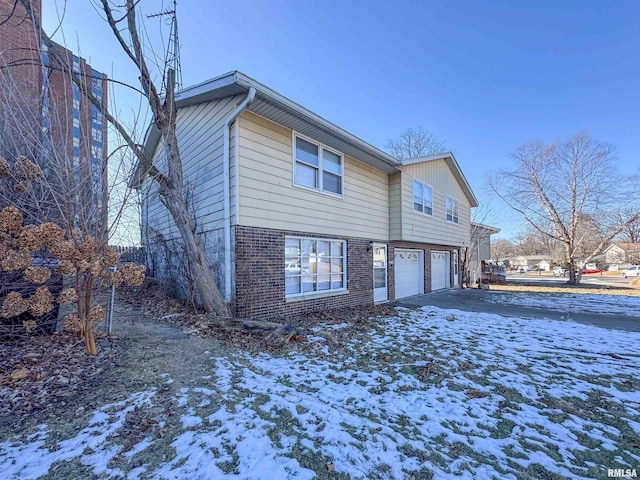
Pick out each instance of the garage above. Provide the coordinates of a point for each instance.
(439, 270)
(409, 273)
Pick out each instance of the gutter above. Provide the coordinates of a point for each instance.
(226, 171)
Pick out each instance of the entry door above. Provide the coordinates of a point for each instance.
(380, 273)
(455, 268)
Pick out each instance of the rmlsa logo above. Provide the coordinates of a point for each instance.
(622, 473)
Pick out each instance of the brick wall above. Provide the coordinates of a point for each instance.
(20, 46)
(260, 276)
(426, 249)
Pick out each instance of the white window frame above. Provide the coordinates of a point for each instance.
(452, 210)
(96, 134)
(321, 148)
(96, 117)
(315, 293)
(413, 205)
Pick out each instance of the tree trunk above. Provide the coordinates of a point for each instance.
(89, 339)
(210, 298)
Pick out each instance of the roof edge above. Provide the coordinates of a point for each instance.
(453, 164)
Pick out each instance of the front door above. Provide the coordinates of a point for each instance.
(379, 272)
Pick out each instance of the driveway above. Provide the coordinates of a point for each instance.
(505, 304)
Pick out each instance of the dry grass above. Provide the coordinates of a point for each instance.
(586, 288)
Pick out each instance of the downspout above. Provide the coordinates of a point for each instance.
(226, 171)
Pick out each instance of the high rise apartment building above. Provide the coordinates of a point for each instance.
(71, 129)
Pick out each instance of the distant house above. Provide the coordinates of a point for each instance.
(621, 254)
(298, 214)
(531, 262)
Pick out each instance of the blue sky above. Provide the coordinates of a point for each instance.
(483, 76)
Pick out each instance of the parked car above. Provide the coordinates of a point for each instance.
(560, 271)
(632, 271)
(586, 271)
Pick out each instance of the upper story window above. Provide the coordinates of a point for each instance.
(317, 167)
(452, 210)
(96, 134)
(422, 198)
(96, 116)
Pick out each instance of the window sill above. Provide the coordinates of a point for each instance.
(312, 295)
(421, 214)
(319, 192)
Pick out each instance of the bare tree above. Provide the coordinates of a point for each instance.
(556, 187)
(123, 22)
(415, 142)
(631, 232)
(502, 249)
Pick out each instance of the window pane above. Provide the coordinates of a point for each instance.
(324, 278)
(291, 247)
(309, 283)
(308, 247)
(417, 189)
(428, 210)
(426, 195)
(332, 162)
(306, 151)
(379, 278)
(306, 175)
(292, 285)
(417, 204)
(336, 265)
(322, 248)
(331, 183)
(292, 268)
(336, 249)
(337, 281)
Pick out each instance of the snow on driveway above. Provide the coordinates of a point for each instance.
(430, 393)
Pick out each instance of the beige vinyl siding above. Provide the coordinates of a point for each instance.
(268, 198)
(395, 206)
(200, 138)
(434, 229)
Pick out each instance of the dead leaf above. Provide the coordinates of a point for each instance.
(19, 374)
(474, 393)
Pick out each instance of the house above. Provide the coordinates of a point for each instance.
(530, 262)
(621, 254)
(300, 215)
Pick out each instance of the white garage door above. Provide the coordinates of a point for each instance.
(439, 270)
(409, 267)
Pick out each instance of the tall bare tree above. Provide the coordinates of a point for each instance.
(415, 142)
(123, 23)
(556, 187)
(631, 232)
(502, 249)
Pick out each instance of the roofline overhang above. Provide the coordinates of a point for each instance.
(210, 89)
(237, 83)
(490, 230)
(451, 161)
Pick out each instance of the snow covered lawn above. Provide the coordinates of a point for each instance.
(424, 394)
